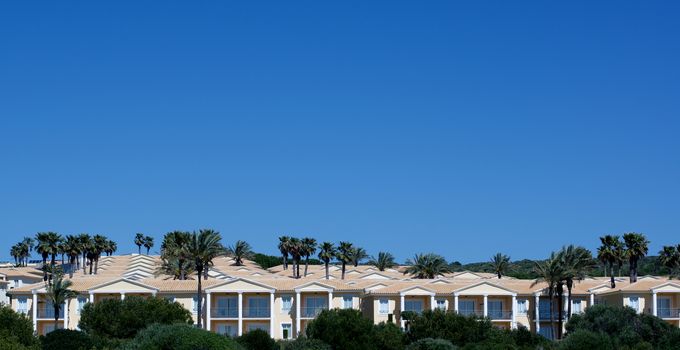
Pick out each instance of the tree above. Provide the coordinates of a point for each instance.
(257, 339)
(148, 243)
(27, 245)
(179, 337)
(427, 266)
(139, 242)
(47, 244)
(431, 344)
(576, 263)
(550, 273)
(175, 257)
(122, 319)
(607, 254)
(344, 255)
(304, 343)
(111, 247)
(383, 261)
(58, 293)
(636, 248)
(358, 254)
(308, 249)
(284, 248)
(327, 252)
(72, 250)
(620, 255)
(85, 245)
(344, 329)
(669, 257)
(203, 247)
(295, 250)
(16, 329)
(15, 252)
(99, 243)
(239, 251)
(500, 264)
(67, 339)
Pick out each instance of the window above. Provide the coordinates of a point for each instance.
(260, 326)
(634, 302)
(441, 304)
(347, 302)
(495, 310)
(286, 303)
(576, 306)
(169, 298)
(663, 308)
(81, 303)
(286, 330)
(544, 310)
(22, 305)
(194, 304)
(413, 305)
(522, 306)
(384, 307)
(226, 329)
(227, 307)
(466, 307)
(258, 307)
(546, 332)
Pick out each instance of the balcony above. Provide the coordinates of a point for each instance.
(311, 312)
(544, 315)
(499, 314)
(256, 312)
(48, 312)
(224, 312)
(668, 313)
(478, 313)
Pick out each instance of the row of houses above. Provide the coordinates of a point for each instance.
(238, 299)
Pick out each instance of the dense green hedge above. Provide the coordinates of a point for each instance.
(16, 331)
(179, 337)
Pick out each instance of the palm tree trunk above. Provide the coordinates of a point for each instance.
(56, 316)
(44, 267)
(326, 270)
(552, 313)
(612, 279)
(96, 265)
(84, 265)
(306, 264)
(147, 251)
(199, 313)
(343, 270)
(560, 312)
(298, 268)
(569, 286)
(90, 261)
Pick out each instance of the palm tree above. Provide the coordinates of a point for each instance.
(58, 293)
(308, 248)
(620, 255)
(358, 254)
(203, 247)
(500, 264)
(295, 250)
(669, 257)
(139, 242)
(344, 255)
(427, 266)
(111, 247)
(72, 249)
(636, 248)
(550, 273)
(47, 245)
(284, 248)
(174, 254)
(97, 248)
(26, 248)
(15, 252)
(606, 253)
(148, 243)
(576, 263)
(326, 253)
(239, 251)
(384, 261)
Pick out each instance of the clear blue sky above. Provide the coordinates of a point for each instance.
(462, 128)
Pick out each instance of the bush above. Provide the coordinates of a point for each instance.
(122, 319)
(622, 326)
(431, 344)
(257, 340)
(303, 343)
(389, 336)
(67, 339)
(179, 337)
(16, 330)
(343, 329)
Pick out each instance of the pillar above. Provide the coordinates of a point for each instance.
(240, 314)
(401, 311)
(592, 300)
(330, 300)
(513, 324)
(91, 297)
(486, 305)
(455, 303)
(537, 310)
(432, 302)
(34, 305)
(122, 296)
(298, 300)
(66, 314)
(654, 308)
(272, 328)
(208, 317)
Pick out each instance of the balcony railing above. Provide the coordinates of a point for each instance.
(499, 314)
(311, 312)
(668, 313)
(471, 312)
(415, 311)
(48, 312)
(545, 315)
(256, 312)
(224, 312)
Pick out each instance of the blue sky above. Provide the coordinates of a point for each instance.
(461, 128)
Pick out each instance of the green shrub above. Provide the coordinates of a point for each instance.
(122, 319)
(388, 336)
(343, 329)
(16, 330)
(431, 344)
(257, 339)
(303, 343)
(66, 339)
(179, 337)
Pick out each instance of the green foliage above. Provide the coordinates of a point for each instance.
(431, 344)
(389, 336)
(67, 339)
(622, 326)
(347, 329)
(584, 339)
(267, 261)
(179, 337)
(257, 339)
(122, 319)
(303, 343)
(16, 330)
